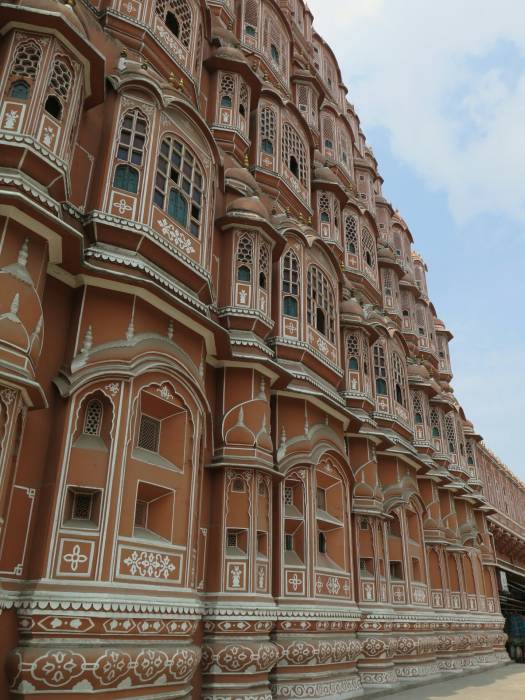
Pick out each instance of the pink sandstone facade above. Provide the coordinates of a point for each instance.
(231, 461)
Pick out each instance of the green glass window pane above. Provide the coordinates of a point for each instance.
(126, 178)
(178, 207)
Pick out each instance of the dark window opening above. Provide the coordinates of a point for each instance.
(328, 144)
(226, 101)
(399, 394)
(242, 111)
(262, 280)
(294, 166)
(418, 418)
(249, 30)
(288, 543)
(435, 432)
(53, 107)
(322, 543)
(320, 322)
(178, 207)
(172, 23)
(275, 53)
(325, 218)
(244, 274)
(368, 259)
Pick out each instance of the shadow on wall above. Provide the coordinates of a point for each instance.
(507, 683)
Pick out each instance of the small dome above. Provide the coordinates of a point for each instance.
(225, 36)
(244, 176)
(248, 205)
(418, 371)
(352, 307)
(385, 252)
(229, 53)
(325, 174)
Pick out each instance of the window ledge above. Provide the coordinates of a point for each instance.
(155, 458)
(292, 559)
(80, 524)
(90, 442)
(141, 533)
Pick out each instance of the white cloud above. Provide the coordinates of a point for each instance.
(447, 80)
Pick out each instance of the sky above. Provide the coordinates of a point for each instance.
(440, 91)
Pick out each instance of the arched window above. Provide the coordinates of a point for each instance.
(294, 154)
(26, 60)
(251, 17)
(19, 90)
(53, 106)
(132, 138)
(351, 234)
(451, 433)
(179, 185)
(177, 17)
(320, 303)
(399, 379)
(59, 88)
(380, 373)
(369, 249)
(244, 258)
(93, 418)
(290, 284)
(264, 264)
(328, 133)
(243, 101)
(470, 453)
(324, 208)
(417, 404)
(267, 130)
(435, 423)
(352, 351)
(226, 91)
(274, 51)
(274, 43)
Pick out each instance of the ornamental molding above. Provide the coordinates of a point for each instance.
(23, 183)
(139, 263)
(9, 137)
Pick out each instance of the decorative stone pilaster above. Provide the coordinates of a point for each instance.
(376, 664)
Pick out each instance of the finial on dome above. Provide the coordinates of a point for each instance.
(23, 253)
(88, 340)
(130, 333)
(15, 304)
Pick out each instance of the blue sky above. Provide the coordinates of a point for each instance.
(440, 91)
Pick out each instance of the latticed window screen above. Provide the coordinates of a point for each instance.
(61, 79)
(291, 274)
(435, 423)
(470, 453)
(251, 17)
(324, 207)
(82, 506)
(182, 13)
(328, 133)
(267, 130)
(132, 138)
(179, 185)
(245, 249)
(288, 495)
(320, 303)
(231, 538)
(26, 59)
(351, 235)
(388, 282)
(93, 418)
(417, 405)
(451, 433)
(238, 485)
(399, 378)
(420, 318)
(380, 371)
(275, 44)
(226, 90)
(352, 350)
(149, 433)
(264, 265)
(294, 153)
(369, 248)
(243, 100)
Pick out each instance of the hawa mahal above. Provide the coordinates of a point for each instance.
(232, 465)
